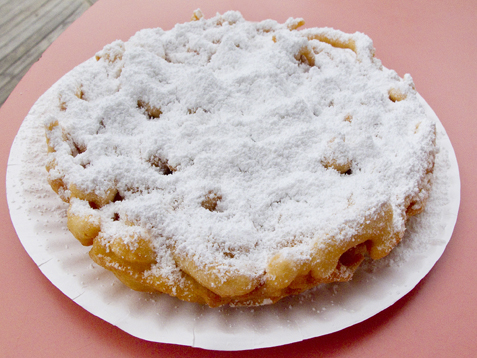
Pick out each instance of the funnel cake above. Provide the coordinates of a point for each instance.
(233, 162)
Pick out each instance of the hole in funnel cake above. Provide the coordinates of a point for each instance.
(93, 205)
(161, 164)
(306, 56)
(343, 167)
(196, 109)
(229, 255)
(354, 255)
(77, 148)
(118, 197)
(62, 104)
(79, 93)
(151, 111)
(211, 200)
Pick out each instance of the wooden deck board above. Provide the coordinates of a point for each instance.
(39, 26)
(13, 15)
(10, 78)
(27, 28)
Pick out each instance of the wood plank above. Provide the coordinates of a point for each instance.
(13, 15)
(4, 4)
(34, 53)
(52, 20)
(40, 23)
(24, 62)
(7, 86)
(10, 78)
(51, 11)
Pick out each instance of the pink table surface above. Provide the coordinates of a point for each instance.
(434, 41)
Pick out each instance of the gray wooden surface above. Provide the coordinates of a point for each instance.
(27, 28)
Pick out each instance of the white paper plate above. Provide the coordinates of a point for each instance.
(39, 217)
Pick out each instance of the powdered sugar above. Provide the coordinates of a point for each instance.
(242, 118)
